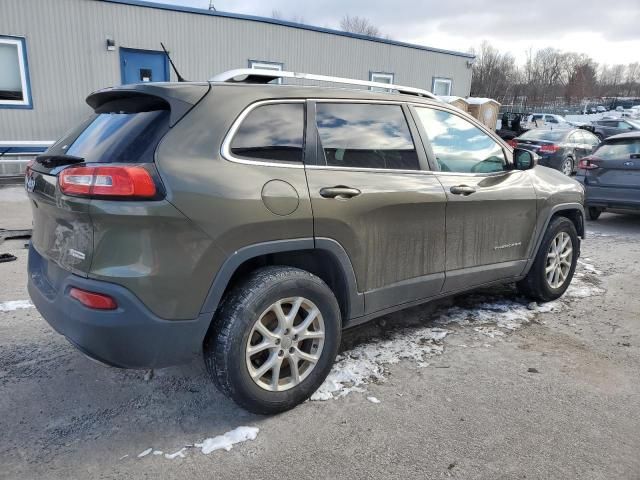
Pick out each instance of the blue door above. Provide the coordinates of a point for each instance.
(138, 66)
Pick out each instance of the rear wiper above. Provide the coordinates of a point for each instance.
(53, 161)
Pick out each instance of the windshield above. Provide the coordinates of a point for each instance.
(541, 134)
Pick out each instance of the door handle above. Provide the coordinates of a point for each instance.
(339, 192)
(462, 190)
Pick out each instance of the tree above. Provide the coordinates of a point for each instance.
(359, 25)
(493, 73)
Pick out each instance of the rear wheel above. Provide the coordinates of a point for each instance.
(555, 262)
(567, 166)
(274, 340)
(593, 213)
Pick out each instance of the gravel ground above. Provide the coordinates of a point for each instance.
(511, 391)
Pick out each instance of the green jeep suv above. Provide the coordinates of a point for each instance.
(252, 223)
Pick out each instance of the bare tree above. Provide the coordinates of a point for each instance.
(494, 73)
(359, 25)
(277, 14)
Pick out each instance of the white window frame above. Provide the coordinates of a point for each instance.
(374, 76)
(264, 65)
(447, 81)
(20, 43)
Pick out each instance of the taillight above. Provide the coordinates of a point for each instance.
(513, 143)
(587, 164)
(97, 181)
(97, 301)
(549, 148)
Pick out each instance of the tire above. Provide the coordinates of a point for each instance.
(593, 213)
(536, 284)
(567, 166)
(231, 365)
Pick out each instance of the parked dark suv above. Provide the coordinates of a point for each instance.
(254, 222)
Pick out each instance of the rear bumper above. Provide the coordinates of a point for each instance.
(605, 197)
(127, 337)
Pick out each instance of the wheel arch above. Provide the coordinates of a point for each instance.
(323, 257)
(571, 211)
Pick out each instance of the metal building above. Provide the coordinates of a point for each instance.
(53, 53)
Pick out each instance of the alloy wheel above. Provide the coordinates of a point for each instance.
(285, 344)
(559, 259)
(567, 167)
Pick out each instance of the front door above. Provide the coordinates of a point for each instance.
(491, 210)
(370, 192)
(137, 66)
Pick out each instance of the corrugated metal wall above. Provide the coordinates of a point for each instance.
(66, 46)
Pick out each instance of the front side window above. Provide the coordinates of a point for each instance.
(359, 135)
(441, 86)
(381, 78)
(271, 132)
(460, 146)
(14, 77)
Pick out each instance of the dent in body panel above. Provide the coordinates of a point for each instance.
(62, 228)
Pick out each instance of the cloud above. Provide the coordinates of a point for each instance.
(461, 24)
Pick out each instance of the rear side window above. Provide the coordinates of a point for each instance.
(359, 135)
(271, 132)
(619, 150)
(121, 137)
(460, 146)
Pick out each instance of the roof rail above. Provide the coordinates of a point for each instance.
(254, 75)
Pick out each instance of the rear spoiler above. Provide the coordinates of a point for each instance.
(179, 98)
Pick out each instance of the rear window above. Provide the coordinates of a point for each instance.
(620, 149)
(538, 134)
(121, 137)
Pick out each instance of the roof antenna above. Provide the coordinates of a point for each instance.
(180, 79)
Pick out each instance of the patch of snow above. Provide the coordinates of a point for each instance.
(171, 456)
(492, 317)
(373, 399)
(12, 305)
(228, 440)
(145, 453)
(365, 363)
(589, 268)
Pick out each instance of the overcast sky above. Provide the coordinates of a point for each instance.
(607, 31)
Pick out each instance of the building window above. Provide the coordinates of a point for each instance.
(15, 91)
(441, 86)
(267, 66)
(381, 77)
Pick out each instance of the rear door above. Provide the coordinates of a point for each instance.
(371, 191)
(491, 209)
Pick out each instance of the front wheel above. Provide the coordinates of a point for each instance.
(274, 340)
(555, 262)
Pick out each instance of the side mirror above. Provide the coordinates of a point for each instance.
(524, 159)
